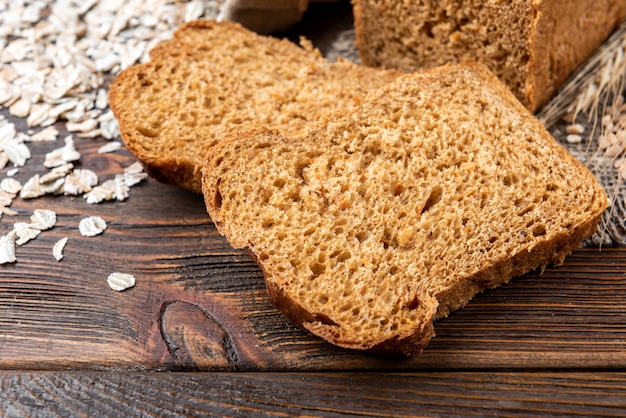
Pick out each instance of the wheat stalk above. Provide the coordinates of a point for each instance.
(602, 75)
(595, 96)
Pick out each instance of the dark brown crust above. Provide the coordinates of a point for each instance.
(551, 252)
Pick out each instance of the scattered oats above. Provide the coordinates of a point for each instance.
(102, 99)
(47, 134)
(63, 108)
(7, 211)
(134, 178)
(574, 139)
(110, 147)
(62, 155)
(38, 115)
(194, 10)
(54, 187)
(84, 126)
(54, 158)
(56, 173)
(57, 249)
(25, 232)
(17, 152)
(20, 108)
(122, 190)
(53, 55)
(7, 247)
(80, 181)
(106, 191)
(575, 129)
(8, 93)
(31, 188)
(43, 219)
(4, 160)
(109, 129)
(6, 198)
(11, 186)
(134, 168)
(120, 281)
(7, 132)
(92, 226)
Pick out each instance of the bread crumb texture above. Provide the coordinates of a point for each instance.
(533, 46)
(383, 219)
(215, 80)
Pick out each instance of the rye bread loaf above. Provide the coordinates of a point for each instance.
(388, 216)
(214, 80)
(533, 46)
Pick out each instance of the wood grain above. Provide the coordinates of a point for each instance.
(201, 305)
(312, 394)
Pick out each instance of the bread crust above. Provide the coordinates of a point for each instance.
(556, 38)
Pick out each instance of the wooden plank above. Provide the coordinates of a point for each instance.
(312, 394)
(200, 305)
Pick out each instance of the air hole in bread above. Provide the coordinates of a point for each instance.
(427, 29)
(525, 210)
(387, 239)
(279, 183)
(435, 196)
(217, 198)
(148, 132)
(294, 194)
(317, 269)
(361, 235)
(398, 189)
(413, 303)
(510, 180)
(539, 230)
(301, 166)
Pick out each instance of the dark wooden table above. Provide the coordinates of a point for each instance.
(198, 336)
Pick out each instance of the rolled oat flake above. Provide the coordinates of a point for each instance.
(121, 281)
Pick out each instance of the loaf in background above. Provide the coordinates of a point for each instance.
(533, 46)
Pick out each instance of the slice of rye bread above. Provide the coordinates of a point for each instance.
(386, 217)
(214, 80)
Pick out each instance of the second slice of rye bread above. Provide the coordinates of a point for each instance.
(215, 80)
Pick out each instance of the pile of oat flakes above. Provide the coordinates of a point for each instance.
(56, 60)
